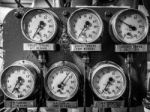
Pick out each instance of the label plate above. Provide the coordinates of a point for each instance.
(60, 104)
(131, 48)
(85, 47)
(109, 104)
(19, 104)
(38, 47)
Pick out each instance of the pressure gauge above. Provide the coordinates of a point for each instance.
(62, 81)
(108, 80)
(85, 26)
(19, 79)
(129, 26)
(39, 25)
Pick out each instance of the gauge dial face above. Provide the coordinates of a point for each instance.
(85, 26)
(130, 26)
(18, 82)
(39, 25)
(62, 83)
(109, 83)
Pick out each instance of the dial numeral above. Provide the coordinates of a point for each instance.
(28, 86)
(45, 36)
(49, 20)
(9, 86)
(114, 91)
(25, 90)
(139, 21)
(45, 17)
(61, 71)
(118, 88)
(135, 35)
(85, 15)
(29, 81)
(70, 77)
(21, 95)
(68, 91)
(40, 15)
(141, 26)
(94, 32)
(90, 35)
(118, 81)
(27, 76)
(51, 26)
(90, 17)
(135, 16)
(139, 32)
(71, 87)
(73, 82)
(118, 76)
(94, 21)
(96, 26)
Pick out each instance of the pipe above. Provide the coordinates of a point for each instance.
(130, 3)
(75, 3)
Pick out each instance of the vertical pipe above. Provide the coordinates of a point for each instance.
(135, 4)
(43, 4)
(58, 3)
(148, 63)
(39, 3)
(130, 3)
(75, 3)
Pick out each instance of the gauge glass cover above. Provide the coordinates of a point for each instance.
(62, 83)
(109, 83)
(39, 25)
(85, 26)
(130, 26)
(17, 82)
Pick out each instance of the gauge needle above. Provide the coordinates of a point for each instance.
(65, 82)
(40, 27)
(130, 26)
(108, 83)
(61, 85)
(129, 34)
(18, 83)
(86, 26)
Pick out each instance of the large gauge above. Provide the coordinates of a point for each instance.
(129, 26)
(108, 80)
(19, 79)
(39, 25)
(62, 81)
(85, 26)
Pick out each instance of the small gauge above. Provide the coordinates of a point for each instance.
(18, 80)
(108, 81)
(62, 81)
(85, 26)
(39, 25)
(129, 26)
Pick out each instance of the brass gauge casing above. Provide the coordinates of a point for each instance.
(62, 81)
(108, 80)
(129, 26)
(18, 81)
(85, 26)
(39, 25)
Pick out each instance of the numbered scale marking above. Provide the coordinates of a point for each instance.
(108, 81)
(85, 26)
(129, 26)
(62, 81)
(39, 25)
(19, 79)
